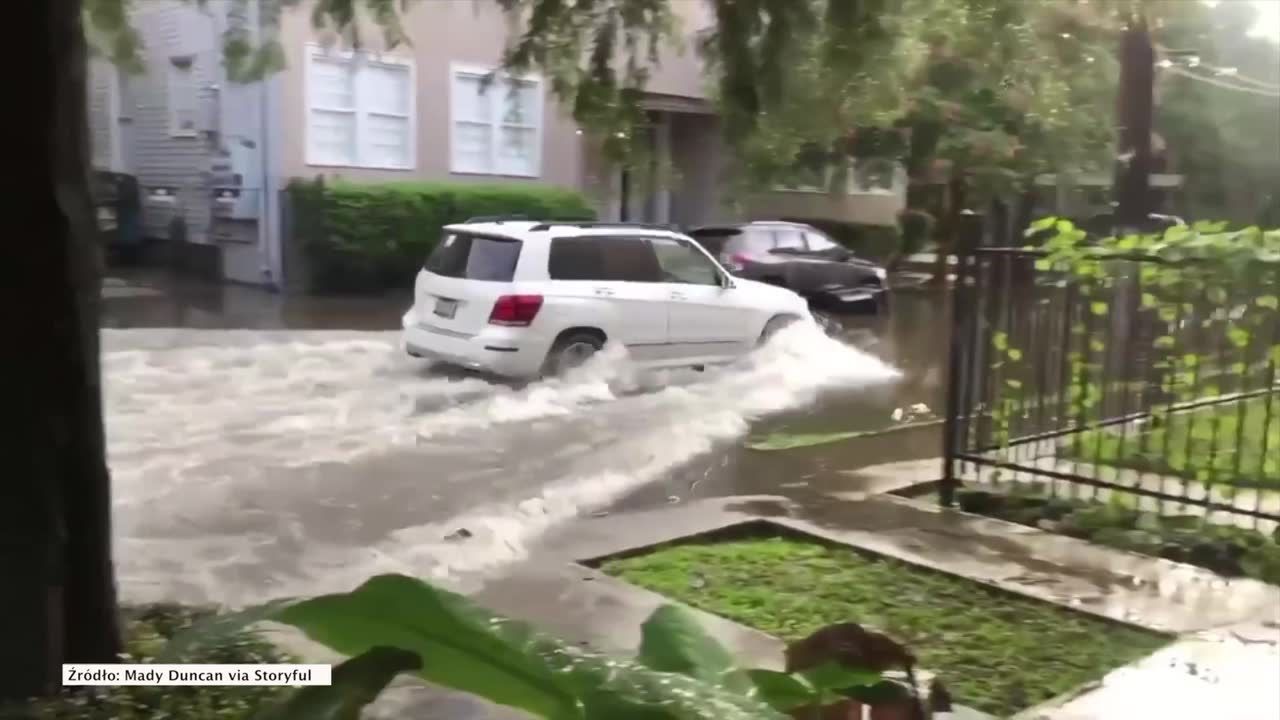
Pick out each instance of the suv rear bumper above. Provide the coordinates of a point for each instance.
(509, 352)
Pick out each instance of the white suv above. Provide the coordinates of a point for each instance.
(522, 299)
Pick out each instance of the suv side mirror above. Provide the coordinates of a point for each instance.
(726, 282)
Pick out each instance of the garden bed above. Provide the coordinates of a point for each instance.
(147, 630)
(1236, 445)
(1226, 550)
(997, 652)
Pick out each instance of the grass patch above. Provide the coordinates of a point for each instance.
(1223, 549)
(791, 441)
(1236, 445)
(997, 652)
(147, 629)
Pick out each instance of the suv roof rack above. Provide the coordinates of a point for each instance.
(496, 219)
(603, 224)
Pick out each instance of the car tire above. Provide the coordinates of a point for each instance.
(571, 351)
(775, 324)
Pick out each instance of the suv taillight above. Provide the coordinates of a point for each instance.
(515, 310)
(735, 262)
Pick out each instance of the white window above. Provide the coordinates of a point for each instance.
(183, 98)
(497, 127)
(360, 111)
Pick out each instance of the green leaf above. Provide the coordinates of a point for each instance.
(1207, 227)
(1000, 341)
(217, 627)
(1015, 354)
(838, 679)
(783, 691)
(1040, 225)
(603, 704)
(356, 683)
(1239, 336)
(1065, 226)
(672, 640)
(1168, 314)
(1096, 345)
(1271, 302)
(1274, 355)
(1190, 360)
(1164, 342)
(1098, 308)
(459, 652)
(1014, 384)
(1149, 300)
(1217, 295)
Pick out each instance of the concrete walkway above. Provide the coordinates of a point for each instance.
(1229, 629)
(1226, 625)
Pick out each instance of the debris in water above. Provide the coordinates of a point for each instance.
(599, 513)
(673, 499)
(459, 534)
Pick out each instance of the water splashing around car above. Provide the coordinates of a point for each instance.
(256, 465)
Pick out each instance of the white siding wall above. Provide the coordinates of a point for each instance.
(170, 28)
(226, 115)
(104, 116)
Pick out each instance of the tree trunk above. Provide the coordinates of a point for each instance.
(59, 600)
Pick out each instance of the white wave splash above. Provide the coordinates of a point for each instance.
(304, 463)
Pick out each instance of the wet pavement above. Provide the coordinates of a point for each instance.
(1223, 663)
(265, 445)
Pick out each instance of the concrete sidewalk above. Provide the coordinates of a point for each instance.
(1226, 626)
(1224, 665)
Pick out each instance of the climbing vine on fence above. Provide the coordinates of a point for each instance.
(1212, 294)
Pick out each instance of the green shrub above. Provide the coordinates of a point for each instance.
(373, 237)
(147, 631)
(394, 624)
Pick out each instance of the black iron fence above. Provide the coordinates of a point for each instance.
(1153, 380)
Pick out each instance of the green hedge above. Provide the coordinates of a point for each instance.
(374, 237)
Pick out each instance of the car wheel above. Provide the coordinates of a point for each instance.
(775, 325)
(571, 351)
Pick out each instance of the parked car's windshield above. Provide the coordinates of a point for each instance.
(754, 241)
(818, 242)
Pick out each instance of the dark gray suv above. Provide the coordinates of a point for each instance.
(800, 258)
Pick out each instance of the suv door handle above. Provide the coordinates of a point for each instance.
(604, 292)
(677, 295)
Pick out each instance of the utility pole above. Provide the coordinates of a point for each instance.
(1134, 111)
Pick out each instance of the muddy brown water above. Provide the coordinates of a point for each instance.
(264, 445)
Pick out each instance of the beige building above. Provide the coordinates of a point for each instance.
(213, 156)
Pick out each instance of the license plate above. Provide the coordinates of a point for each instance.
(446, 308)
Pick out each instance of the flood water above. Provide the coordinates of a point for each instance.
(264, 446)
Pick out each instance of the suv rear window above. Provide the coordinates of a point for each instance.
(475, 257)
(604, 259)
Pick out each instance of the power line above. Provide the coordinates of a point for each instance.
(1234, 76)
(1275, 94)
(1193, 61)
